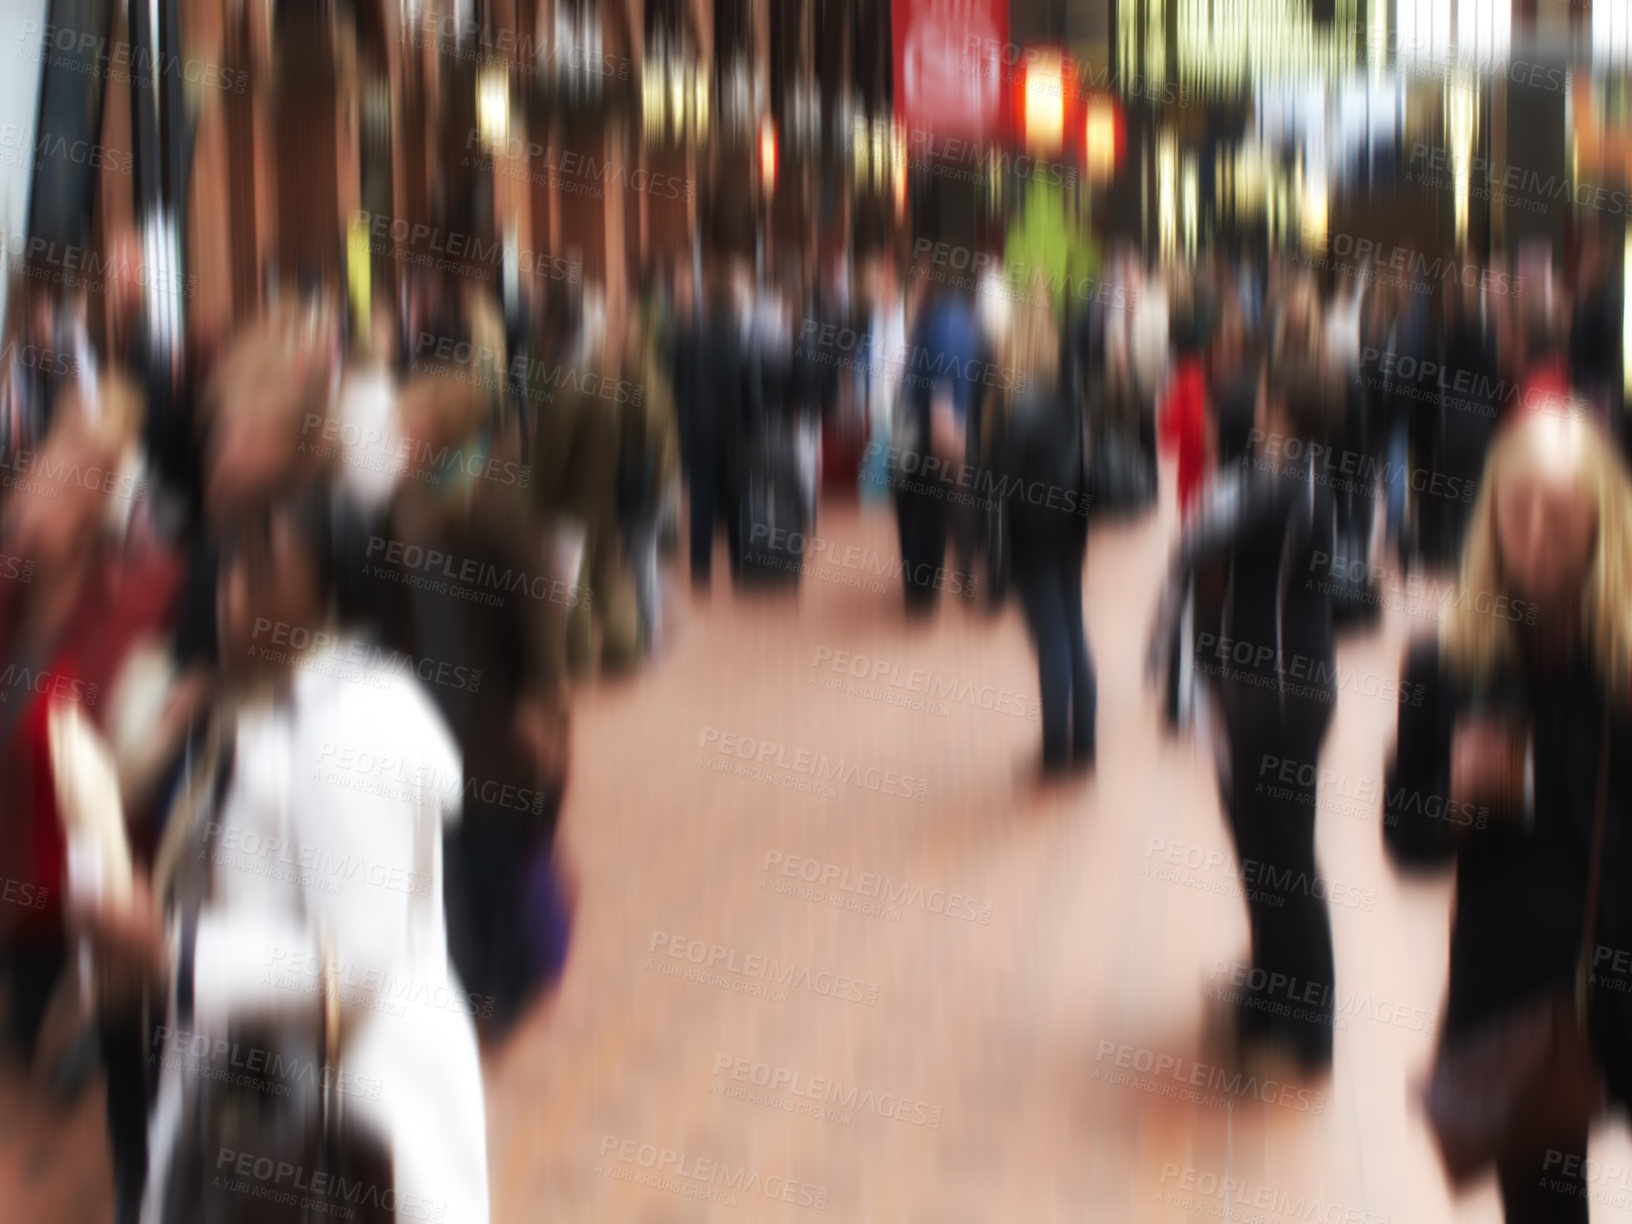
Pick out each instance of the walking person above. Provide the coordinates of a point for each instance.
(512, 723)
(1516, 750)
(236, 951)
(648, 466)
(712, 404)
(1275, 681)
(1044, 461)
(936, 409)
(879, 377)
(99, 595)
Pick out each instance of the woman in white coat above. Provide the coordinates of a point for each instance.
(306, 864)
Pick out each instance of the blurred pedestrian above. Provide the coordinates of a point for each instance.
(1184, 418)
(648, 467)
(94, 590)
(1518, 706)
(1276, 688)
(495, 611)
(937, 404)
(236, 951)
(1044, 462)
(575, 465)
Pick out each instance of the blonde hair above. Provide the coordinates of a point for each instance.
(1032, 349)
(1478, 642)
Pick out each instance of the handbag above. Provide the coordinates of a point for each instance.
(1531, 1077)
(274, 1145)
(264, 1136)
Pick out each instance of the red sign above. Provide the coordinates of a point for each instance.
(951, 57)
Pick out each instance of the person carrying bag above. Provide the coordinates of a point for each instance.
(279, 1146)
(1532, 1075)
(1510, 761)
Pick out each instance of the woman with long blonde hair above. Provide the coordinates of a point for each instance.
(1507, 717)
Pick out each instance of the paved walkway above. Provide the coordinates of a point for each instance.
(994, 994)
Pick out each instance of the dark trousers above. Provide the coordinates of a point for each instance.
(1536, 1189)
(127, 1045)
(1353, 497)
(1148, 442)
(488, 858)
(922, 518)
(33, 964)
(1355, 507)
(1051, 594)
(1273, 826)
(704, 490)
(963, 538)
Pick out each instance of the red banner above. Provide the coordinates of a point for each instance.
(951, 61)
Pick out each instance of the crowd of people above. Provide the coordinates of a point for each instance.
(1482, 431)
(289, 650)
(290, 630)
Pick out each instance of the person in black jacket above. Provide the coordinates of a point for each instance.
(1497, 768)
(688, 376)
(1233, 380)
(711, 394)
(1597, 340)
(1465, 408)
(1272, 665)
(1044, 465)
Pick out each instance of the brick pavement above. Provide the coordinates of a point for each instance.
(996, 1029)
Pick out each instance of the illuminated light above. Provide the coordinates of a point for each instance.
(1438, 35)
(651, 96)
(1314, 210)
(358, 278)
(1043, 118)
(1611, 33)
(493, 106)
(859, 147)
(677, 99)
(1127, 22)
(1190, 179)
(898, 167)
(1626, 319)
(699, 111)
(1223, 46)
(1167, 195)
(1156, 42)
(1099, 143)
(1461, 127)
(767, 155)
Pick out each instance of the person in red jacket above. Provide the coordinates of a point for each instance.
(1183, 418)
